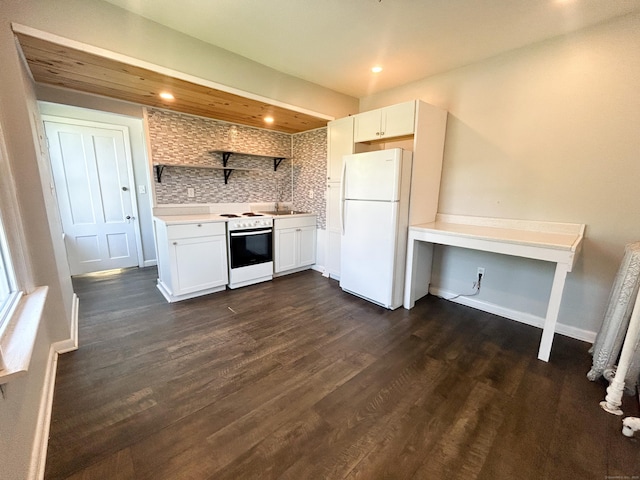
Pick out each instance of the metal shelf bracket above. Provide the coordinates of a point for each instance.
(159, 169)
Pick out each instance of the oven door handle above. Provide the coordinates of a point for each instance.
(246, 234)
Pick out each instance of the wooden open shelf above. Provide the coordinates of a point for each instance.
(226, 154)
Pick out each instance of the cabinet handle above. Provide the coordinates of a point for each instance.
(175, 243)
(381, 133)
(378, 133)
(298, 229)
(199, 224)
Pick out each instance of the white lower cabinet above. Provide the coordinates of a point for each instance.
(295, 243)
(192, 259)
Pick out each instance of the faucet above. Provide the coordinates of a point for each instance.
(278, 195)
(281, 206)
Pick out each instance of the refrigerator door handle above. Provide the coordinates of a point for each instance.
(342, 189)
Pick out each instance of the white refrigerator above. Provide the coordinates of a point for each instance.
(374, 216)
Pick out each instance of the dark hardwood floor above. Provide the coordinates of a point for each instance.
(295, 379)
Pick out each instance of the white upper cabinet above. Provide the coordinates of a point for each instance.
(388, 122)
(339, 143)
(426, 124)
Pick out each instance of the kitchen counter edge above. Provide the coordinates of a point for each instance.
(192, 218)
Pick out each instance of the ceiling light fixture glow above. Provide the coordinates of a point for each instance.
(376, 69)
(166, 96)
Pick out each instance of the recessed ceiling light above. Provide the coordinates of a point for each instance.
(268, 119)
(376, 69)
(166, 96)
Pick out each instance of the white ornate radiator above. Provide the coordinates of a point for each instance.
(620, 334)
(615, 328)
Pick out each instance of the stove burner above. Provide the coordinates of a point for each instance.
(251, 214)
(229, 215)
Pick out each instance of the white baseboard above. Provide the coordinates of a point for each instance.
(522, 317)
(150, 263)
(71, 344)
(318, 268)
(577, 333)
(41, 438)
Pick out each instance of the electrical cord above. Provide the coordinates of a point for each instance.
(476, 286)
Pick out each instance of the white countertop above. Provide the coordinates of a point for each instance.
(192, 218)
(292, 215)
(213, 217)
(507, 235)
(560, 236)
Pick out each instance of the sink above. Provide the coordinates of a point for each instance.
(284, 212)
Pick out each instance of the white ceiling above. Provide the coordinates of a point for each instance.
(334, 43)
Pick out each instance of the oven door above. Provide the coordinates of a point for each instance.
(250, 247)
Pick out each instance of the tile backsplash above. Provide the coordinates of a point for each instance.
(310, 172)
(180, 138)
(176, 137)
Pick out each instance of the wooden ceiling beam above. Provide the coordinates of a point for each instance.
(62, 66)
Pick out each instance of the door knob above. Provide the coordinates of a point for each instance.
(124, 189)
(128, 217)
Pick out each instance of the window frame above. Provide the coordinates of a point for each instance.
(8, 304)
(22, 311)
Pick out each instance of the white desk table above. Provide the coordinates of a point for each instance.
(549, 241)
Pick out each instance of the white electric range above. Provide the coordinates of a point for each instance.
(249, 247)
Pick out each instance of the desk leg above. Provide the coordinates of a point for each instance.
(552, 312)
(409, 274)
(418, 271)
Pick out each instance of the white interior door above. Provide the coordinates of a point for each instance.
(92, 174)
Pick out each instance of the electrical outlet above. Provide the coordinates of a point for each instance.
(191, 192)
(479, 277)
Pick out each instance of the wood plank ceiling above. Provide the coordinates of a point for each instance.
(66, 67)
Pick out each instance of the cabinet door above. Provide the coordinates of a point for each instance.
(306, 246)
(339, 143)
(332, 250)
(366, 126)
(285, 246)
(199, 263)
(398, 120)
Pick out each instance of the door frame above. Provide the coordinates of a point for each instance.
(129, 162)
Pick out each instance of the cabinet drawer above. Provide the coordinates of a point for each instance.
(190, 230)
(294, 222)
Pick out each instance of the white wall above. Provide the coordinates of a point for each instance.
(19, 410)
(548, 132)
